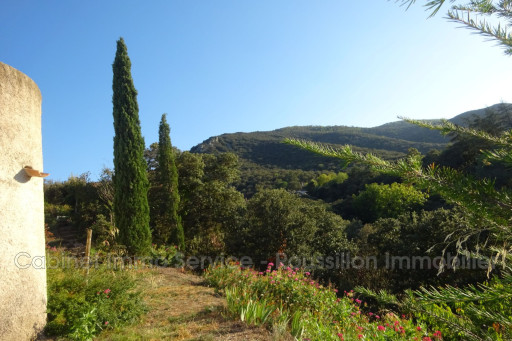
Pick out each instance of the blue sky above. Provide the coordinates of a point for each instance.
(226, 66)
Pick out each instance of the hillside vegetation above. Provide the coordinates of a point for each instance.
(266, 162)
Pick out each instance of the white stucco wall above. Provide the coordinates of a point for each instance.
(22, 291)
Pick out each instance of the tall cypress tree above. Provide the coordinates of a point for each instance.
(168, 223)
(131, 184)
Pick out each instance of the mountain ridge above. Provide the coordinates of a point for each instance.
(264, 151)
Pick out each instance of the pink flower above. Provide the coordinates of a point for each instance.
(270, 264)
(106, 291)
(106, 323)
(359, 336)
(418, 328)
(307, 274)
(381, 328)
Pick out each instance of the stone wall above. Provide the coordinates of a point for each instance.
(22, 244)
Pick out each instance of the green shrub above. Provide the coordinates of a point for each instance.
(387, 201)
(80, 306)
(104, 232)
(55, 215)
(164, 255)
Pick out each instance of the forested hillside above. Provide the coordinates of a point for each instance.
(267, 162)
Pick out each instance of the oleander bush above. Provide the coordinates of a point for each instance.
(312, 311)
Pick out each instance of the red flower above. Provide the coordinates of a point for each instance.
(437, 334)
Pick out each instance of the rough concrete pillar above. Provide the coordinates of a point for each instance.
(22, 244)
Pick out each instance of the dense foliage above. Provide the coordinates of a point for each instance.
(82, 203)
(210, 202)
(282, 225)
(387, 201)
(131, 209)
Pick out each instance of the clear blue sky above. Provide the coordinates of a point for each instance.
(226, 66)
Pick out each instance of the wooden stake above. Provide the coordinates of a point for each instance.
(88, 248)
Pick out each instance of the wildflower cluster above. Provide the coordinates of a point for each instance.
(317, 311)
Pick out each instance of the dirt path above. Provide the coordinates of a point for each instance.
(182, 308)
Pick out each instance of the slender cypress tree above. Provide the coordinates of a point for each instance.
(168, 222)
(131, 184)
